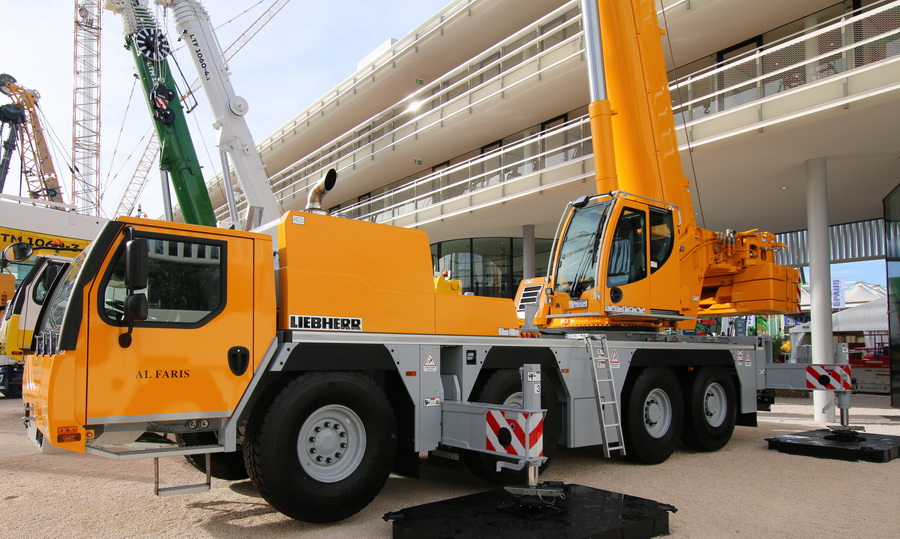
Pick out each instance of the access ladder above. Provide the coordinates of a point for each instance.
(602, 374)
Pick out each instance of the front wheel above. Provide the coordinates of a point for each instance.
(323, 447)
(654, 415)
(711, 410)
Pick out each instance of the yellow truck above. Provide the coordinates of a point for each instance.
(55, 236)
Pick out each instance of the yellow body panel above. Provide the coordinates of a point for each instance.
(375, 278)
(12, 337)
(54, 387)
(474, 315)
(7, 287)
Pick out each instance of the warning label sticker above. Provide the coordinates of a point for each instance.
(430, 364)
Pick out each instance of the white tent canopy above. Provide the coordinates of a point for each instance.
(867, 318)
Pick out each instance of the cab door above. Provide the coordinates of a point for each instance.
(623, 275)
(190, 358)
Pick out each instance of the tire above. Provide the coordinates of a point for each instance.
(505, 387)
(711, 410)
(321, 448)
(225, 466)
(654, 416)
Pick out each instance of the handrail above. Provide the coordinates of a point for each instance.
(496, 62)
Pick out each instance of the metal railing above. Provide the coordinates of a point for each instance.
(823, 51)
(863, 40)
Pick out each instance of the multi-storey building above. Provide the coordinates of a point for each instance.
(474, 126)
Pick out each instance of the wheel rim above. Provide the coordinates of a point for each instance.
(657, 413)
(331, 443)
(515, 400)
(715, 404)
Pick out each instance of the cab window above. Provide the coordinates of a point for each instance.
(627, 257)
(661, 237)
(44, 283)
(186, 283)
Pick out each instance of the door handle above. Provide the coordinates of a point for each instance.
(238, 359)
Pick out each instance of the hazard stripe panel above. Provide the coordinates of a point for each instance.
(522, 435)
(831, 377)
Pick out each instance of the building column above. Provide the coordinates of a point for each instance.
(528, 255)
(819, 279)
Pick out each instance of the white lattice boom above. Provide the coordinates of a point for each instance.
(86, 109)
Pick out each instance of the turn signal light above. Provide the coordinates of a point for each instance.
(67, 434)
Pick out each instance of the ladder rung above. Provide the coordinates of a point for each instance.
(183, 489)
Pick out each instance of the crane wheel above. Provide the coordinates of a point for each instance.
(225, 466)
(653, 415)
(321, 447)
(505, 387)
(711, 409)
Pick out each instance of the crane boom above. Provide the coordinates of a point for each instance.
(137, 183)
(193, 23)
(37, 163)
(86, 108)
(177, 155)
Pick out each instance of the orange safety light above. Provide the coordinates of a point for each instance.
(67, 434)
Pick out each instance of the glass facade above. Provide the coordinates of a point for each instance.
(489, 266)
(892, 248)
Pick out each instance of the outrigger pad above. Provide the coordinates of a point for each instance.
(824, 443)
(582, 512)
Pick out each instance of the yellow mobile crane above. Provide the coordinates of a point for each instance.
(37, 164)
(633, 256)
(320, 355)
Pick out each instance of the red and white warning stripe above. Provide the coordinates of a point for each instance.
(524, 436)
(833, 377)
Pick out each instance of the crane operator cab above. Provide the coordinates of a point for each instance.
(612, 266)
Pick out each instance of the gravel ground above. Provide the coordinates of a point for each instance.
(743, 490)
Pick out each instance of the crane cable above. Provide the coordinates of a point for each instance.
(687, 137)
(119, 137)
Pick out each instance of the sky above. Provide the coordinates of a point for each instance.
(305, 51)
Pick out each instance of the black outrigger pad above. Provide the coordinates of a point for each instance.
(824, 443)
(582, 512)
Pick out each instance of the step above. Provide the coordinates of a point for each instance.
(139, 450)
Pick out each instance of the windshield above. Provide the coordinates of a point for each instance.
(51, 320)
(576, 268)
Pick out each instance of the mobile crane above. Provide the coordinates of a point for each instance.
(20, 314)
(339, 359)
(37, 164)
(34, 229)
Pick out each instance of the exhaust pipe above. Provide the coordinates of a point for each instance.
(314, 202)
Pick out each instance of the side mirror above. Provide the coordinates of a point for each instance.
(137, 259)
(17, 252)
(136, 308)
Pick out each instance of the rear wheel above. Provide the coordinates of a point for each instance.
(323, 447)
(505, 387)
(654, 415)
(711, 410)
